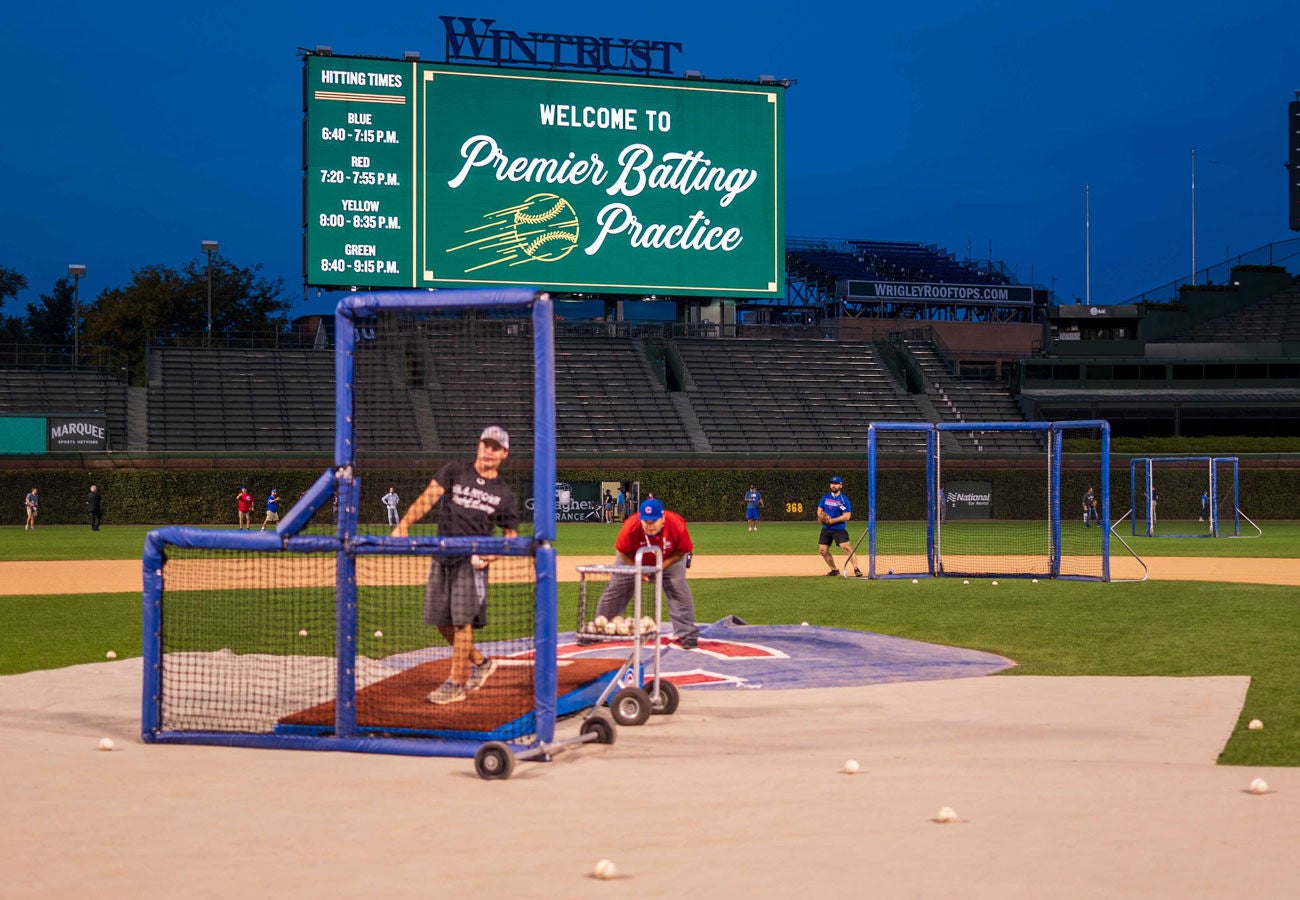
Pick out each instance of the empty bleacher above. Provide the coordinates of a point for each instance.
(225, 399)
(966, 401)
(790, 395)
(1274, 319)
(608, 398)
(40, 392)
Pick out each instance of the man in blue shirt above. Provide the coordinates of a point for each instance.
(272, 509)
(753, 502)
(834, 511)
(1205, 507)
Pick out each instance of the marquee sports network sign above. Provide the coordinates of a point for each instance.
(435, 175)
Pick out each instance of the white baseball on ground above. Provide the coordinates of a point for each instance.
(1255, 725)
(600, 621)
(851, 767)
(106, 744)
(916, 581)
(605, 868)
(379, 634)
(302, 633)
(994, 583)
(111, 654)
(947, 814)
(1258, 786)
(1033, 581)
(965, 581)
(803, 623)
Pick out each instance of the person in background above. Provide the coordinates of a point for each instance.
(753, 503)
(833, 512)
(95, 506)
(272, 509)
(31, 503)
(244, 504)
(391, 500)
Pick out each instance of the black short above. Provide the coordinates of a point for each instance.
(456, 595)
(833, 536)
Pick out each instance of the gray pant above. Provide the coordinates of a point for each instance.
(681, 605)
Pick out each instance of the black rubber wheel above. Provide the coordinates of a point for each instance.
(601, 727)
(669, 697)
(494, 760)
(630, 706)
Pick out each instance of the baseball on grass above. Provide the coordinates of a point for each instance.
(803, 624)
(947, 814)
(1258, 786)
(604, 869)
(302, 632)
(111, 654)
(106, 744)
(851, 767)
(1255, 725)
(965, 581)
(994, 583)
(1033, 581)
(379, 634)
(916, 581)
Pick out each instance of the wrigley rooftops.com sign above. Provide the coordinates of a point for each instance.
(434, 175)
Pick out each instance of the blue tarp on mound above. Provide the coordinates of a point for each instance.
(734, 654)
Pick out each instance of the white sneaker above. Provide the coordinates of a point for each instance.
(479, 674)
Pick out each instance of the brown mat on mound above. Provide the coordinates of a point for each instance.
(399, 702)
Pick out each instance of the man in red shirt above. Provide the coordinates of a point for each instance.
(244, 503)
(653, 525)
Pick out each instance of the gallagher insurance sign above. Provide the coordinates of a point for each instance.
(424, 175)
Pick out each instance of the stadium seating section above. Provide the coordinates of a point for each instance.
(51, 391)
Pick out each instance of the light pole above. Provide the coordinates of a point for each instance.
(1193, 217)
(77, 273)
(209, 247)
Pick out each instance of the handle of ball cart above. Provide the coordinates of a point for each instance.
(658, 563)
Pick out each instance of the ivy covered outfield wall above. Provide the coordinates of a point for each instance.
(149, 496)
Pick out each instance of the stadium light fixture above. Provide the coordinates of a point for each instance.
(77, 272)
(209, 247)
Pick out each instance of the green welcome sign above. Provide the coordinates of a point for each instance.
(434, 175)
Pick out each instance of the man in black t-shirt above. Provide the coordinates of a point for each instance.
(455, 599)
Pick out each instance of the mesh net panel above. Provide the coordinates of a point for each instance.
(425, 386)
(392, 635)
(247, 638)
(901, 546)
(1081, 547)
(1012, 532)
(1177, 486)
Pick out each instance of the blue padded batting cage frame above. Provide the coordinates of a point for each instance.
(1030, 543)
(288, 549)
(1144, 495)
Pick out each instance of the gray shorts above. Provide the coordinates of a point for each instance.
(456, 595)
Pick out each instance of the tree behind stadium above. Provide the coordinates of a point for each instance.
(165, 307)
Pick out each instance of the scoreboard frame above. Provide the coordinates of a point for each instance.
(430, 175)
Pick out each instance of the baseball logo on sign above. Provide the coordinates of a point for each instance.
(543, 228)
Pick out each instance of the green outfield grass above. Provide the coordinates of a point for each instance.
(1280, 539)
(1050, 628)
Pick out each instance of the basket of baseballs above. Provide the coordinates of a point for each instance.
(619, 626)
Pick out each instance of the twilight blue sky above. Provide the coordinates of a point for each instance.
(134, 130)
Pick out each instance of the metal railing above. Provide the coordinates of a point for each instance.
(1274, 254)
